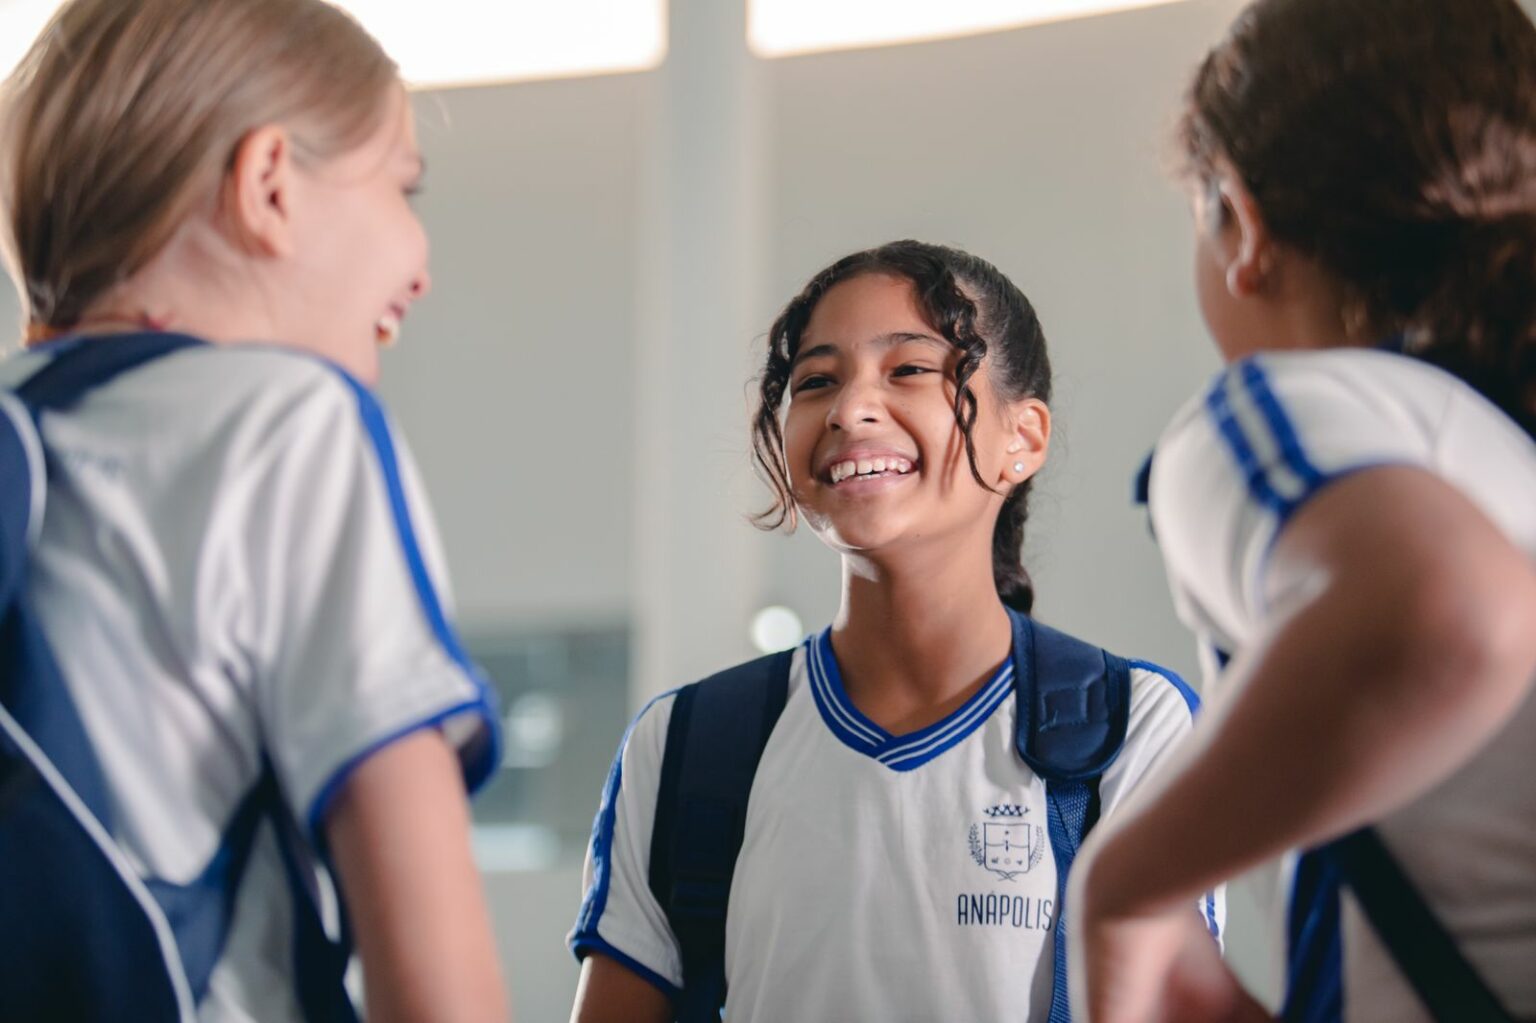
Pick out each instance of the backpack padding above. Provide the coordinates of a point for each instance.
(1074, 703)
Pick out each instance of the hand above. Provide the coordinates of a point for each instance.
(1153, 968)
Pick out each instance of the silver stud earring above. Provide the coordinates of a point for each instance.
(1018, 466)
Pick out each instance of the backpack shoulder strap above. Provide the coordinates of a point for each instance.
(1425, 952)
(1074, 702)
(22, 486)
(29, 684)
(100, 948)
(1074, 705)
(81, 366)
(715, 738)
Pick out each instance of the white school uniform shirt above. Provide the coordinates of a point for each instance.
(237, 565)
(1269, 434)
(882, 878)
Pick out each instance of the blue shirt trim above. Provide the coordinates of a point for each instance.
(481, 757)
(1219, 407)
(904, 752)
(596, 899)
(846, 721)
(1279, 424)
(584, 944)
(1281, 430)
(1191, 698)
(338, 778)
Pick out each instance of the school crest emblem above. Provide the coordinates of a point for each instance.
(1007, 844)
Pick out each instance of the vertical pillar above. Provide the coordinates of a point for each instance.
(697, 560)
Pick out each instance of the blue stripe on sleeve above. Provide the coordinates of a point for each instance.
(587, 944)
(1281, 426)
(483, 754)
(1219, 407)
(1282, 431)
(596, 899)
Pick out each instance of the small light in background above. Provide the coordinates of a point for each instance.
(776, 628)
(535, 727)
(782, 28)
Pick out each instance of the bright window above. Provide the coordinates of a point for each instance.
(780, 28)
(463, 42)
(466, 42)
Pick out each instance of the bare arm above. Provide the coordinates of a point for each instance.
(399, 835)
(1401, 642)
(610, 992)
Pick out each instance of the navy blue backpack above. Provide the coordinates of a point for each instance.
(85, 938)
(1073, 708)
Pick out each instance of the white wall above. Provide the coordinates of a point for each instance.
(513, 379)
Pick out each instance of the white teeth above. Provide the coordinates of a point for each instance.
(387, 330)
(840, 471)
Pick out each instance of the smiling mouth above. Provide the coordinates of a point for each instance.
(386, 329)
(869, 468)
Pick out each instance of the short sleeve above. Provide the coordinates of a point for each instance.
(348, 616)
(1268, 435)
(619, 916)
(1163, 709)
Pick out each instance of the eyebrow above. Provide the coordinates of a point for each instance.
(891, 340)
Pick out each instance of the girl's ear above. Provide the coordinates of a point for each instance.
(258, 192)
(1030, 442)
(1247, 245)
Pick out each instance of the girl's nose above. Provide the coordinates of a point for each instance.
(858, 402)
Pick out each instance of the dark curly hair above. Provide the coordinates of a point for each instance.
(974, 307)
(1394, 142)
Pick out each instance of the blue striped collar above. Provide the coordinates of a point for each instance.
(898, 752)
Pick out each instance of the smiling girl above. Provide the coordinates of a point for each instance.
(894, 861)
(235, 566)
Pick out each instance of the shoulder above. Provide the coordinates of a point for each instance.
(1268, 434)
(266, 381)
(649, 726)
(1161, 717)
(1283, 421)
(732, 704)
(1159, 691)
(265, 407)
(644, 743)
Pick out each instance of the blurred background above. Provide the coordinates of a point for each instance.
(621, 194)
